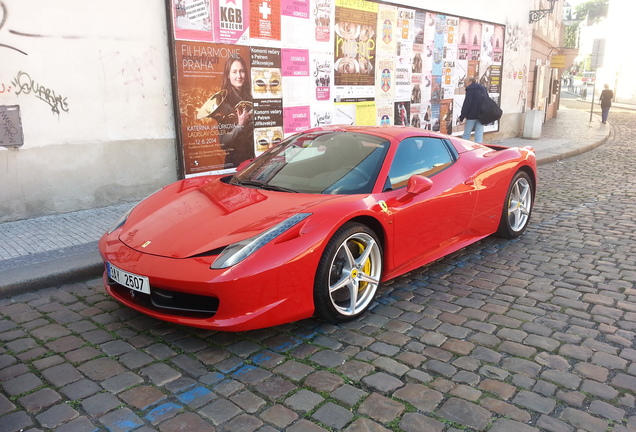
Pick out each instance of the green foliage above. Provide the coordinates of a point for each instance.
(595, 9)
(571, 38)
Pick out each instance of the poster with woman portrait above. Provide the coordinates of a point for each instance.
(215, 106)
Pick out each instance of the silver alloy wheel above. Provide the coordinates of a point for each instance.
(519, 204)
(354, 274)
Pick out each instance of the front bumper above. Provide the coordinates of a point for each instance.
(254, 294)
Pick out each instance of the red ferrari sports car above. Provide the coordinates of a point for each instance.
(312, 226)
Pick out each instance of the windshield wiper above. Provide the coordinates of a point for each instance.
(266, 186)
(260, 185)
(248, 183)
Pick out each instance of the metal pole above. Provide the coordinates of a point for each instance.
(592, 104)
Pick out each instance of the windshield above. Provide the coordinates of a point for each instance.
(324, 162)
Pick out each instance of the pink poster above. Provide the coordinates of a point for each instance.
(295, 8)
(295, 62)
(231, 21)
(192, 20)
(296, 119)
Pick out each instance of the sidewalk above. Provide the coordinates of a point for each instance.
(62, 249)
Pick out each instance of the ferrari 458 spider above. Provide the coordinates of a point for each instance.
(313, 226)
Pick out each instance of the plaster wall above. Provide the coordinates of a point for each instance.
(92, 83)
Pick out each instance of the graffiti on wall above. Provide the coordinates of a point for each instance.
(24, 84)
(4, 15)
(518, 37)
(518, 42)
(134, 71)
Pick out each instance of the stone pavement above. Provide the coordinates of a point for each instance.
(534, 334)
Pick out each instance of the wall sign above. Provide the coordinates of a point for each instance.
(10, 126)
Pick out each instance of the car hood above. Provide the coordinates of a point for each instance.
(196, 216)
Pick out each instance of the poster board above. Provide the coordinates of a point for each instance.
(299, 64)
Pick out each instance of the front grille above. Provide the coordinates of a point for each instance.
(171, 302)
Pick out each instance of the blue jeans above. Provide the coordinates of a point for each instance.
(479, 130)
(604, 114)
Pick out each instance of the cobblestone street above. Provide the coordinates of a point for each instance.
(534, 334)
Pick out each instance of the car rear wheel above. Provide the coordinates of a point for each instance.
(517, 207)
(348, 273)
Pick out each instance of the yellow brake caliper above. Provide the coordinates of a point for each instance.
(366, 268)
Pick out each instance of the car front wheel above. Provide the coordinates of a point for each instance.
(348, 274)
(517, 207)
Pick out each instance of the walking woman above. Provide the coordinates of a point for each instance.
(606, 102)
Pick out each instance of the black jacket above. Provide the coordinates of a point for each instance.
(470, 108)
(606, 98)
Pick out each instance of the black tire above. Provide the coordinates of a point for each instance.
(517, 207)
(348, 274)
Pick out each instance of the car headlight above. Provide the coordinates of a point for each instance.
(237, 252)
(120, 222)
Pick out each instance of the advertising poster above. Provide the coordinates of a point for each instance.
(435, 111)
(493, 79)
(458, 101)
(215, 106)
(416, 118)
(295, 69)
(192, 20)
(487, 42)
(267, 89)
(474, 68)
(345, 113)
(232, 21)
(426, 114)
(464, 37)
(354, 49)
(386, 46)
(322, 77)
(402, 113)
(295, 18)
(323, 15)
(406, 22)
(420, 27)
(385, 91)
(498, 44)
(250, 72)
(365, 113)
(403, 78)
(474, 41)
(265, 19)
(384, 114)
(321, 115)
(387, 28)
(295, 72)
(446, 116)
(452, 31)
(438, 44)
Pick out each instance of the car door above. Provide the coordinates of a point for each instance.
(428, 224)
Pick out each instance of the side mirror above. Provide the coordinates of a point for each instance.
(418, 184)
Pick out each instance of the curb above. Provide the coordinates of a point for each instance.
(62, 271)
(579, 151)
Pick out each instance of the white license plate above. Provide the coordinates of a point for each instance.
(129, 280)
